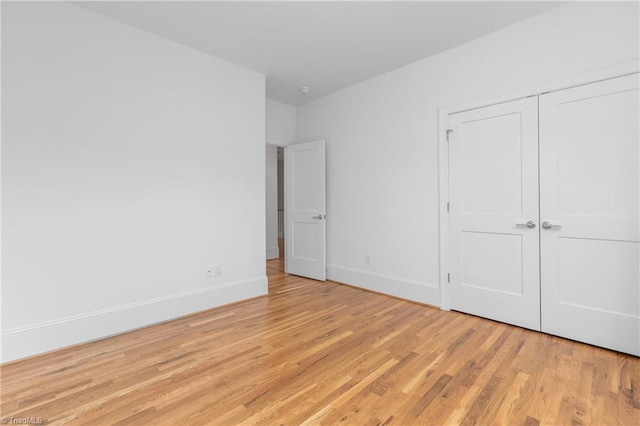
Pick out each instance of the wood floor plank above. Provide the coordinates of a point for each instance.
(325, 353)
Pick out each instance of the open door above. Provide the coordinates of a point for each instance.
(305, 224)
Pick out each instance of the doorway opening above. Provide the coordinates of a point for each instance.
(295, 208)
(274, 202)
(280, 189)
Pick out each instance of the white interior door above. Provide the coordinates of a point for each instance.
(589, 186)
(493, 184)
(305, 252)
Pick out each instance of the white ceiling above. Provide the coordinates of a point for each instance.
(324, 45)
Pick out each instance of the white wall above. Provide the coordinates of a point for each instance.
(281, 123)
(129, 163)
(271, 182)
(382, 137)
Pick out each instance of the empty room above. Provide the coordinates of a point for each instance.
(320, 212)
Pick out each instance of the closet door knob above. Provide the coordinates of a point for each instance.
(531, 224)
(549, 225)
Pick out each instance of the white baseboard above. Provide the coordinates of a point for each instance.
(273, 253)
(46, 336)
(399, 287)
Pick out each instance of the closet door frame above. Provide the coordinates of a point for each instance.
(600, 74)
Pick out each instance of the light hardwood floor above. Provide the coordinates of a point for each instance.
(325, 353)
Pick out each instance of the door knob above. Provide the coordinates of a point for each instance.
(531, 224)
(549, 225)
(320, 216)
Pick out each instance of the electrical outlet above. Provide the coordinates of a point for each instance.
(368, 258)
(210, 271)
(217, 270)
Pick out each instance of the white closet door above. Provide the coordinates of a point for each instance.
(493, 155)
(589, 198)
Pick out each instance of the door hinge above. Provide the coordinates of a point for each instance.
(448, 277)
(447, 207)
(448, 133)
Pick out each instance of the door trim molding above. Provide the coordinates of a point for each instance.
(443, 195)
(588, 77)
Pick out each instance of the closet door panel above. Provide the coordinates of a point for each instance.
(590, 198)
(493, 169)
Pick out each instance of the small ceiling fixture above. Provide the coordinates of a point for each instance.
(305, 89)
